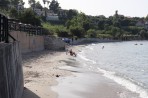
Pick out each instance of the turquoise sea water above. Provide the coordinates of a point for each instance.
(124, 62)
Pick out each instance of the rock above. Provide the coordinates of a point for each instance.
(57, 75)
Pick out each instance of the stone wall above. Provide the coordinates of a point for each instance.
(53, 43)
(11, 74)
(29, 43)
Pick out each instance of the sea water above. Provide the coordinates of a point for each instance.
(124, 62)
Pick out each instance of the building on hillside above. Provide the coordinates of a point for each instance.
(146, 25)
(39, 12)
(140, 23)
(93, 20)
(51, 16)
(63, 12)
(128, 17)
(20, 7)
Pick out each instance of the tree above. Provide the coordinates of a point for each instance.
(144, 34)
(91, 33)
(32, 3)
(62, 32)
(13, 13)
(45, 1)
(146, 18)
(115, 32)
(71, 13)
(81, 20)
(22, 2)
(54, 6)
(29, 17)
(66, 15)
(15, 2)
(116, 23)
(101, 17)
(77, 31)
(101, 24)
(125, 22)
(38, 5)
(78, 25)
(4, 4)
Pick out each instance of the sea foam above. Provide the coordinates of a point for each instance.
(126, 83)
(86, 59)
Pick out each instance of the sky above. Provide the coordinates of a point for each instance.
(131, 8)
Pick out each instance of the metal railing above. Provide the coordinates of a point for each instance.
(4, 31)
(18, 26)
(7, 25)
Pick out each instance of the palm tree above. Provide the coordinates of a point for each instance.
(32, 3)
(46, 1)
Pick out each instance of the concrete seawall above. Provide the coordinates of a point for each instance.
(28, 43)
(11, 74)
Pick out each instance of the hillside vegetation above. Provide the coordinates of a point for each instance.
(76, 24)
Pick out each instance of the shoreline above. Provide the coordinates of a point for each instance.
(49, 74)
(87, 84)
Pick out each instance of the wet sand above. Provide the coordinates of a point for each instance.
(52, 74)
(88, 84)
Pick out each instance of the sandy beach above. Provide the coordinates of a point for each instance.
(40, 73)
(50, 74)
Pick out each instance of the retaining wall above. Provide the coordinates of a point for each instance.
(28, 43)
(53, 43)
(11, 74)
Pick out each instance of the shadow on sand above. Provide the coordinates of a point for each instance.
(29, 57)
(29, 94)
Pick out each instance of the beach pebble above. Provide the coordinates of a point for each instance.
(57, 75)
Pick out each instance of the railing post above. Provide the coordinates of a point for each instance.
(3, 28)
(0, 29)
(6, 31)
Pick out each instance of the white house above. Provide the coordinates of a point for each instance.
(39, 12)
(20, 7)
(52, 16)
(140, 23)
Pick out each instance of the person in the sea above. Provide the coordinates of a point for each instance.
(72, 53)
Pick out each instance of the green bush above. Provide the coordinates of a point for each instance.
(77, 31)
(91, 33)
